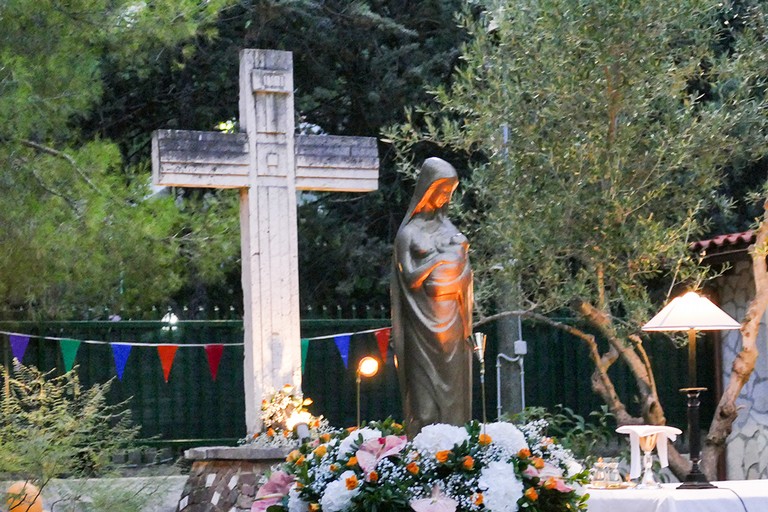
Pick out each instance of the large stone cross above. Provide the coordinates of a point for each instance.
(267, 162)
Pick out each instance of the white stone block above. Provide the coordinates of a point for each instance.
(210, 479)
(215, 498)
(233, 481)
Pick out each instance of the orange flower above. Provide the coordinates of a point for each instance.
(314, 507)
(477, 499)
(299, 485)
(373, 477)
(293, 456)
(325, 437)
(442, 456)
(351, 482)
(484, 439)
(300, 460)
(320, 450)
(413, 468)
(270, 432)
(334, 468)
(531, 494)
(550, 483)
(524, 453)
(351, 429)
(287, 433)
(468, 463)
(352, 462)
(538, 462)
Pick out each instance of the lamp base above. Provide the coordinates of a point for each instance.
(696, 480)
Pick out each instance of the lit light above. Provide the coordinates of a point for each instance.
(368, 366)
(296, 418)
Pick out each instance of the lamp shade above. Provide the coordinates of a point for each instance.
(691, 311)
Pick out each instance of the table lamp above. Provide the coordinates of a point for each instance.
(692, 312)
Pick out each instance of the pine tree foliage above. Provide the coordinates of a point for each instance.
(52, 427)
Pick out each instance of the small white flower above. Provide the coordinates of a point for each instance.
(507, 436)
(435, 438)
(337, 496)
(501, 487)
(368, 433)
(295, 503)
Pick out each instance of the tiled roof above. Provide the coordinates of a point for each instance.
(722, 241)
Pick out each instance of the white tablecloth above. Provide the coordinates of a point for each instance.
(730, 496)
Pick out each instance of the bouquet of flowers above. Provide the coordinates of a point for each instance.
(280, 410)
(495, 467)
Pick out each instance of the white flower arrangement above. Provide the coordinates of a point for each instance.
(444, 469)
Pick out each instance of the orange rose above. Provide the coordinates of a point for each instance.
(413, 468)
(352, 462)
(293, 456)
(325, 437)
(287, 433)
(484, 439)
(334, 468)
(270, 432)
(373, 477)
(314, 507)
(477, 499)
(550, 483)
(538, 462)
(300, 460)
(351, 482)
(320, 450)
(524, 453)
(468, 463)
(531, 494)
(442, 456)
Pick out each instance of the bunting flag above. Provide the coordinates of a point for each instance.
(213, 352)
(167, 353)
(69, 352)
(382, 339)
(304, 352)
(19, 344)
(342, 343)
(120, 352)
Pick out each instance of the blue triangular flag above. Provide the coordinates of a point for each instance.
(120, 351)
(19, 344)
(342, 343)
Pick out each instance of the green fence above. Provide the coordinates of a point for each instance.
(191, 408)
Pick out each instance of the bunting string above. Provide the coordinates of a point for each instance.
(167, 351)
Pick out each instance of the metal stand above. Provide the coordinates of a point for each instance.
(695, 479)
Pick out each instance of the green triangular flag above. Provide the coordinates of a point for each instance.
(304, 350)
(69, 352)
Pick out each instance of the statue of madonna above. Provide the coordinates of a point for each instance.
(431, 292)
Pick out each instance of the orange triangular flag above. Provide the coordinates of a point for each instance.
(382, 338)
(167, 353)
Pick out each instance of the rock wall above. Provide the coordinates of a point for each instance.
(747, 448)
(225, 479)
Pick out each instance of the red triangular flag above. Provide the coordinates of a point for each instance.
(382, 338)
(213, 352)
(167, 353)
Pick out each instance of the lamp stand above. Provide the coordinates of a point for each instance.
(695, 479)
(358, 397)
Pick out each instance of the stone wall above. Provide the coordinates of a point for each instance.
(225, 479)
(747, 448)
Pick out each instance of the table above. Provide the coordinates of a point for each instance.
(730, 496)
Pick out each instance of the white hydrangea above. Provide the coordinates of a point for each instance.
(337, 496)
(506, 435)
(438, 437)
(501, 487)
(368, 433)
(295, 503)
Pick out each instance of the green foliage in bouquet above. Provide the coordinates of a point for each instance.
(495, 467)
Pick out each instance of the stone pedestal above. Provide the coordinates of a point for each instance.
(225, 479)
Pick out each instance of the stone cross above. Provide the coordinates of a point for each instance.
(268, 163)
